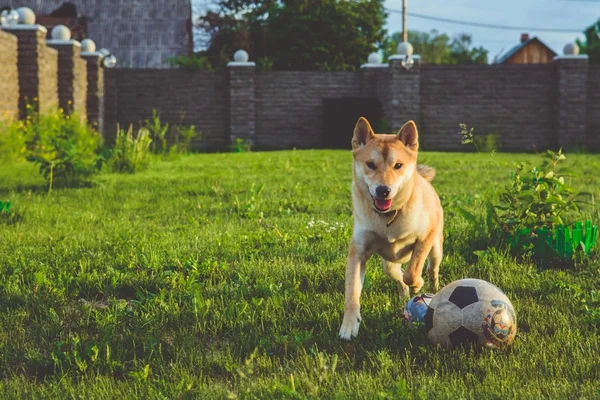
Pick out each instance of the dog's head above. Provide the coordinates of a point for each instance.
(383, 164)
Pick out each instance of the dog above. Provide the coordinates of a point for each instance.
(397, 214)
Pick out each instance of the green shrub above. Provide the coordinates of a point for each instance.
(132, 151)
(193, 63)
(184, 135)
(8, 215)
(240, 145)
(158, 133)
(264, 64)
(64, 149)
(169, 140)
(537, 197)
(533, 209)
(489, 143)
(538, 213)
(12, 141)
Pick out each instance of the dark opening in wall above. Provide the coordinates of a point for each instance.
(340, 116)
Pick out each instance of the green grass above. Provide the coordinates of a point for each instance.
(205, 278)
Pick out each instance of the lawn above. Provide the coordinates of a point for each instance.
(222, 276)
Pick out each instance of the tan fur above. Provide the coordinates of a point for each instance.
(414, 234)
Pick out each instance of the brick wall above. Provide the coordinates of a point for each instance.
(48, 78)
(9, 77)
(289, 105)
(593, 128)
(403, 97)
(572, 101)
(80, 83)
(515, 101)
(528, 107)
(189, 98)
(242, 104)
(95, 91)
(72, 78)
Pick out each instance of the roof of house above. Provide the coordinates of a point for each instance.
(140, 33)
(518, 47)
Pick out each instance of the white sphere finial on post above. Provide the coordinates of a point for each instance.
(405, 49)
(241, 56)
(26, 16)
(9, 18)
(374, 58)
(571, 49)
(61, 32)
(88, 45)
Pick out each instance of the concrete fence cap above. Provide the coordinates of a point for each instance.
(61, 32)
(26, 16)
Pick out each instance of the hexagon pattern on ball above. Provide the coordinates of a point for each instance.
(470, 310)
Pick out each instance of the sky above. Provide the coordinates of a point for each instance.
(573, 15)
(541, 14)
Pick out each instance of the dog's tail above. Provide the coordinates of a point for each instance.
(426, 172)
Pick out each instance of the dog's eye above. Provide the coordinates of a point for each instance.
(397, 166)
(371, 165)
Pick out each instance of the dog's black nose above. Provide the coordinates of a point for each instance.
(382, 191)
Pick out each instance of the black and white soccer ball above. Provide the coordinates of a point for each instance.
(470, 311)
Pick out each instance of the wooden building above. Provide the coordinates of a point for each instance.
(529, 51)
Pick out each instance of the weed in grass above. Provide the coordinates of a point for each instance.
(132, 150)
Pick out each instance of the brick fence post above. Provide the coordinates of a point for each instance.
(72, 77)
(9, 77)
(38, 69)
(95, 90)
(404, 93)
(374, 83)
(572, 101)
(242, 101)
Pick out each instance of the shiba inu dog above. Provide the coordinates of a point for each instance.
(397, 214)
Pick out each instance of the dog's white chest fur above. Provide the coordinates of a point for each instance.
(394, 243)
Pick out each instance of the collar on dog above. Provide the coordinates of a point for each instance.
(389, 214)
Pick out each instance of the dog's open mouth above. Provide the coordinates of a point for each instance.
(383, 204)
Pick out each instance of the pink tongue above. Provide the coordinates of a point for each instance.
(383, 204)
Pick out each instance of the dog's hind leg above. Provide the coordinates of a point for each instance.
(394, 271)
(435, 258)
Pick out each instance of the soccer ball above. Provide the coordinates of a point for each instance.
(470, 311)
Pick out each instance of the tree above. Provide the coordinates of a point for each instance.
(461, 51)
(295, 34)
(436, 48)
(591, 45)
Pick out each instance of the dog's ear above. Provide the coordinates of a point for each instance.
(409, 135)
(362, 133)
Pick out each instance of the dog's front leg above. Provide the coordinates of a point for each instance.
(355, 276)
(412, 274)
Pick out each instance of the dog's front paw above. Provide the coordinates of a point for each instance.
(415, 283)
(350, 324)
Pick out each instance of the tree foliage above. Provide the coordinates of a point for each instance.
(294, 34)
(438, 48)
(591, 45)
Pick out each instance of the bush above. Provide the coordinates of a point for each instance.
(532, 211)
(240, 145)
(132, 151)
(193, 63)
(166, 140)
(64, 149)
(184, 135)
(12, 141)
(536, 198)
